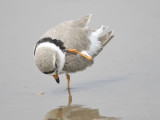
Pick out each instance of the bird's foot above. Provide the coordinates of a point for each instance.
(87, 56)
(77, 52)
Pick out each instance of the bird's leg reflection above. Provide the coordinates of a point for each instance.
(69, 97)
(59, 113)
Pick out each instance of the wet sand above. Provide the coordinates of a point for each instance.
(122, 84)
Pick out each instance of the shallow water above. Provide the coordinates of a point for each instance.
(122, 84)
(75, 112)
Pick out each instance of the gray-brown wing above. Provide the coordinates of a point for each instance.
(74, 33)
(77, 38)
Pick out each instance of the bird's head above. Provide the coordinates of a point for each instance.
(46, 60)
(49, 58)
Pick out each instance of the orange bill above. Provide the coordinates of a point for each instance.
(56, 78)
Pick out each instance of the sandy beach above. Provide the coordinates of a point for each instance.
(123, 83)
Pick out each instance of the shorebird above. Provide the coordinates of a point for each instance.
(70, 47)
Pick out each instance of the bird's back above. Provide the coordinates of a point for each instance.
(71, 34)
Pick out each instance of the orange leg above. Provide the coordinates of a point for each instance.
(76, 51)
(68, 78)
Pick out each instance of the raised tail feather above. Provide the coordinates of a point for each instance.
(104, 39)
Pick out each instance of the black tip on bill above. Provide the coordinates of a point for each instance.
(57, 80)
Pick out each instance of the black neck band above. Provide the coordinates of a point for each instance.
(58, 43)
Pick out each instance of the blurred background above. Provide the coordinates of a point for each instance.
(123, 83)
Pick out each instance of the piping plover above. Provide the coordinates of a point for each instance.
(70, 47)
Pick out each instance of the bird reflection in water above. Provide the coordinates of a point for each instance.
(75, 112)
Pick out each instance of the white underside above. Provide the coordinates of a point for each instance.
(61, 54)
